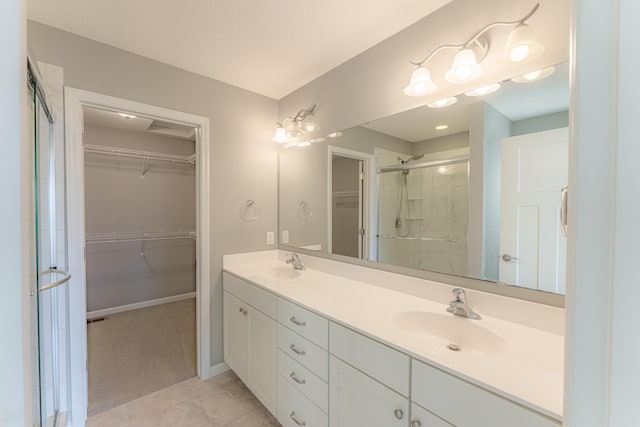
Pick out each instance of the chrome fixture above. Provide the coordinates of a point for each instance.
(292, 127)
(295, 260)
(460, 307)
(520, 46)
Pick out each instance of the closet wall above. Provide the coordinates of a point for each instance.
(122, 196)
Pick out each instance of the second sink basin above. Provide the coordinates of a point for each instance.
(464, 333)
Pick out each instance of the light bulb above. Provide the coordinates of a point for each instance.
(522, 45)
(484, 90)
(420, 84)
(441, 127)
(445, 102)
(464, 68)
(442, 170)
(293, 129)
(532, 75)
(280, 135)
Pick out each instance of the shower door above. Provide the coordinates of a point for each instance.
(50, 337)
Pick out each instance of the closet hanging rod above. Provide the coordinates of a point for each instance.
(92, 238)
(138, 154)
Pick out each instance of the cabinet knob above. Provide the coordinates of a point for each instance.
(399, 413)
(416, 423)
(295, 419)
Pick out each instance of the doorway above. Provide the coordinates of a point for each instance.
(76, 101)
(349, 201)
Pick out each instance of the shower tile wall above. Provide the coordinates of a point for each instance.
(434, 215)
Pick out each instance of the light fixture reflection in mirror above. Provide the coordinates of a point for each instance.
(434, 205)
(465, 67)
(441, 103)
(484, 90)
(534, 75)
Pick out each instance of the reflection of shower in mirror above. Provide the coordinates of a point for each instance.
(403, 195)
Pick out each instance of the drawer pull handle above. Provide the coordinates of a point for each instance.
(399, 413)
(296, 379)
(297, 322)
(416, 423)
(296, 351)
(296, 420)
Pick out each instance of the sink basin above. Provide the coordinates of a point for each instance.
(280, 272)
(465, 334)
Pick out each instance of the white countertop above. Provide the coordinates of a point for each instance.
(519, 362)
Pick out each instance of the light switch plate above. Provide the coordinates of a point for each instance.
(270, 238)
(285, 236)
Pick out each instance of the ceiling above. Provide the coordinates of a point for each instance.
(115, 120)
(516, 101)
(268, 47)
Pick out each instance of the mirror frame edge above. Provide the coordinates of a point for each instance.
(496, 288)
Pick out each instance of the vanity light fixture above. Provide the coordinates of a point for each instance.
(442, 127)
(534, 75)
(466, 67)
(484, 90)
(292, 127)
(445, 102)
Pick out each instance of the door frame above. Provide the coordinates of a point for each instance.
(368, 192)
(75, 101)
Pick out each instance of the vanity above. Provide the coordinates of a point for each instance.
(344, 345)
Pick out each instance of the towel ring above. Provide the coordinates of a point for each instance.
(304, 210)
(249, 211)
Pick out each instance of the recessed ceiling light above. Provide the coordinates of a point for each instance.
(127, 116)
(445, 102)
(442, 127)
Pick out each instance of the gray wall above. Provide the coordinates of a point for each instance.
(243, 158)
(15, 182)
(540, 123)
(117, 199)
(442, 143)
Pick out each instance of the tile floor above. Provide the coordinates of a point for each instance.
(222, 401)
(135, 353)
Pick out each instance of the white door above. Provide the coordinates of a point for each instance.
(534, 169)
(261, 366)
(235, 334)
(358, 400)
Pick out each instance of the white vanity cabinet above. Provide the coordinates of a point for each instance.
(303, 366)
(368, 382)
(463, 404)
(250, 337)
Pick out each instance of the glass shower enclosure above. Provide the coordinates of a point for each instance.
(49, 279)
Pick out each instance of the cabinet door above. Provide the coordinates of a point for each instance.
(358, 400)
(261, 366)
(235, 334)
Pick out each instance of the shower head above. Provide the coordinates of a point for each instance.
(415, 157)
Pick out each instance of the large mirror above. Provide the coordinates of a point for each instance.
(472, 189)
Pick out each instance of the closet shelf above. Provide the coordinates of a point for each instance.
(138, 154)
(138, 236)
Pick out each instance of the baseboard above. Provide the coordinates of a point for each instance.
(218, 369)
(143, 304)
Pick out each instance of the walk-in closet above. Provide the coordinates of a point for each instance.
(140, 213)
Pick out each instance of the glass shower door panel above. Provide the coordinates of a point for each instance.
(52, 295)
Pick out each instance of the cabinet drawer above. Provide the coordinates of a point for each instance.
(304, 352)
(256, 297)
(295, 410)
(383, 363)
(420, 417)
(304, 380)
(313, 327)
(233, 285)
(443, 394)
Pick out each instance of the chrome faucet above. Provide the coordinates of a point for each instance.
(460, 307)
(293, 259)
